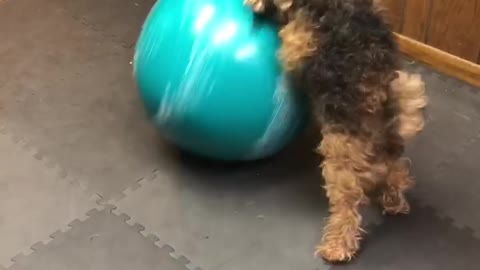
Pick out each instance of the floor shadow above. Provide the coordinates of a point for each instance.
(420, 240)
(297, 161)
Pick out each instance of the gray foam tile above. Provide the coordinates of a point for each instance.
(452, 113)
(449, 99)
(222, 230)
(418, 241)
(267, 215)
(455, 191)
(445, 154)
(119, 20)
(103, 241)
(69, 90)
(34, 200)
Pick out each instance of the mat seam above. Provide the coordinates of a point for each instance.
(146, 233)
(101, 203)
(51, 167)
(442, 167)
(466, 231)
(90, 214)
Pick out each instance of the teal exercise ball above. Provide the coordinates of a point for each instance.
(209, 78)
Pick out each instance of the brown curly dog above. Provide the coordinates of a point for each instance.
(343, 54)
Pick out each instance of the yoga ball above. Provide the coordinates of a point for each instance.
(209, 78)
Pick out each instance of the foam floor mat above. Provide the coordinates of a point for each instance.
(87, 183)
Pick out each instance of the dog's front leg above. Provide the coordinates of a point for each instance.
(349, 174)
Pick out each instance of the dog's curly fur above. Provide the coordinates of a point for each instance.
(343, 55)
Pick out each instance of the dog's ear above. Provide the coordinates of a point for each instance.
(270, 9)
(283, 5)
(271, 13)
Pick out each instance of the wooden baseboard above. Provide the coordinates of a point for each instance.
(440, 60)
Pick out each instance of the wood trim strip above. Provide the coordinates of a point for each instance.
(440, 60)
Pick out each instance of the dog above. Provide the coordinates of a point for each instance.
(343, 55)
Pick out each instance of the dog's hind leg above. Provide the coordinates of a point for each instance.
(398, 181)
(407, 97)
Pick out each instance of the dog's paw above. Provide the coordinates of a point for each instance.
(338, 247)
(395, 205)
(283, 5)
(399, 209)
(335, 254)
(257, 6)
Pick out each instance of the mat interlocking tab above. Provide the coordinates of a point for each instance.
(421, 240)
(36, 198)
(81, 141)
(456, 189)
(102, 241)
(225, 223)
(447, 148)
(79, 104)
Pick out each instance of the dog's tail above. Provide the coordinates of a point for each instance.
(408, 93)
